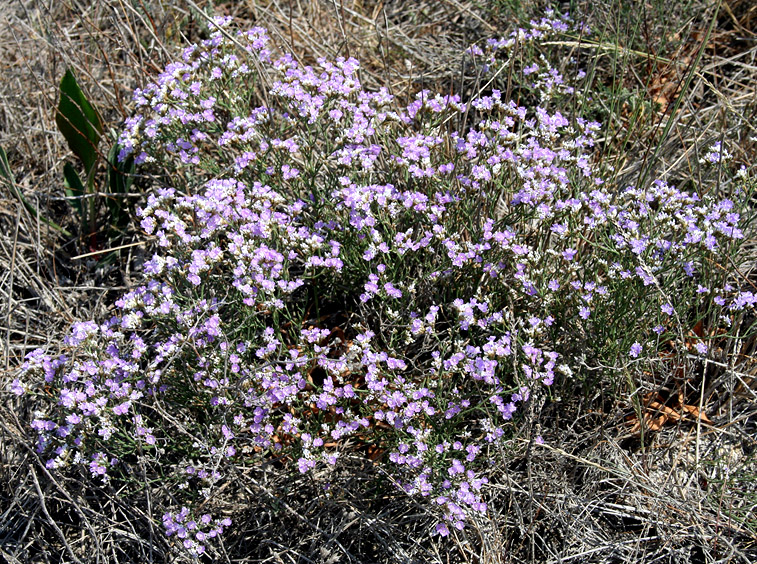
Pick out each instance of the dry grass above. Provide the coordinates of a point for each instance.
(594, 493)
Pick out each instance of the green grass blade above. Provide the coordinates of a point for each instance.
(692, 71)
(6, 177)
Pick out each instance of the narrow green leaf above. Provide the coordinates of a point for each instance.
(120, 174)
(74, 188)
(120, 179)
(5, 169)
(78, 121)
(6, 177)
(673, 117)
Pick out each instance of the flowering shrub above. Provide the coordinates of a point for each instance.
(334, 266)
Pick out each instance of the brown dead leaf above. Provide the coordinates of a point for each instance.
(374, 452)
(657, 412)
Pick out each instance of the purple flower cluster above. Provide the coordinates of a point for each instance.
(469, 264)
(716, 154)
(193, 533)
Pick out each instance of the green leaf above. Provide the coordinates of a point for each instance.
(78, 121)
(74, 188)
(120, 174)
(5, 169)
(6, 177)
(120, 179)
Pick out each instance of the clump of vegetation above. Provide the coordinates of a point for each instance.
(320, 338)
(338, 274)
